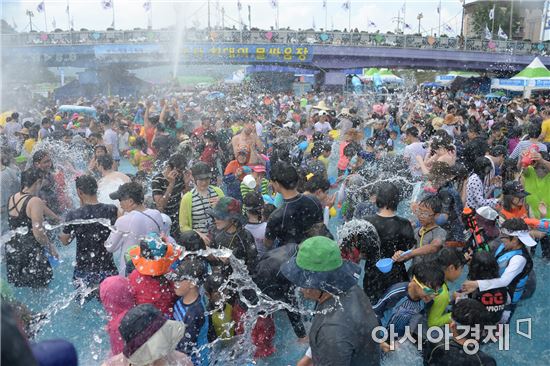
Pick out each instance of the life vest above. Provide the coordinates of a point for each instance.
(517, 286)
(154, 267)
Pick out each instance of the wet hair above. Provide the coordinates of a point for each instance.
(450, 256)
(318, 229)
(253, 203)
(514, 225)
(319, 147)
(267, 211)
(87, 184)
(318, 136)
(429, 273)
(533, 130)
(483, 266)
(30, 176)
(285, 174)
(177, 161)
(472, 313)
(96, 136)
(104, 119)
(352, 149)
(105, 161)
(387, 195)
(433, 202)
(160, 127)
(316, 182)
(213, 283)
(482, 167)
(412, 131)
(38, 156)
(46, 121)
(141, 144)
(101, 147)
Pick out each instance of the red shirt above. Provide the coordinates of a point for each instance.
(153, 290)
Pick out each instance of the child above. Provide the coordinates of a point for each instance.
(452, 263)
(404, 303)
(429, 236)
(467, 317)
(117, 299)
(321, 151)
(262, 184)
(253, 204)
(220, 321)
(392, 140)
(190, 309)
(142, 156)
(484, 266)
(152, 260)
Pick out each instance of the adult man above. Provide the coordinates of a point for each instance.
(134, 225)
(168, 188)
(110, 179)
(247, 137)
(93, 262)
(45, 130)
(340, 332)
(110, 137)
(163, 143)
(11, 128)
(533, 132)
(413, 149)
(289, 223)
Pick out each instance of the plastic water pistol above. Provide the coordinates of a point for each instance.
(542, 224)
(477, 241)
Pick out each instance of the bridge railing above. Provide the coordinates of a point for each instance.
(276, 37)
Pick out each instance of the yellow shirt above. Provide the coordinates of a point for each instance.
(28, 145)
(546, 130)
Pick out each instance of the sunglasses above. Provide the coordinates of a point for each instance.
(427, 290)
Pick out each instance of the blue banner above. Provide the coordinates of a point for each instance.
(542, 83)
(511, 82)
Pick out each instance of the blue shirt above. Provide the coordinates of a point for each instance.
(196, 331)
(397, 308)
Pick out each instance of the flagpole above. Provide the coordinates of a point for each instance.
(45, 18)
(511, 18)
(326, 15)
(349, 16)
(150, 15)
(494, 16)
(439, 19)
(277, 15)
(113, 6)
(68, 10)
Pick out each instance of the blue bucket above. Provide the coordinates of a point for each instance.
(384, 265)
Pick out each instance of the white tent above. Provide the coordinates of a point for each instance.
(534, 77)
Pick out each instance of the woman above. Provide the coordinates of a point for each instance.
(475, 188)
(513, 201)
(26, 254)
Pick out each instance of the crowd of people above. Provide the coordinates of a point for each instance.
(311, 195)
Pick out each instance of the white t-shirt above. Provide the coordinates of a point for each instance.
(258, 232)
(130, 229)
(322, 127)
(110, 137)
(410, 153)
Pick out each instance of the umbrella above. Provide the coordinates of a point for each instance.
(534, 77)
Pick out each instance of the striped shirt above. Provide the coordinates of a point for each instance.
(159, 185)
(397, 308)
(201, 220)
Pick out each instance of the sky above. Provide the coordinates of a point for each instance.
(296, 14)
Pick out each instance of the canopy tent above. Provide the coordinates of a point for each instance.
(451, 75)
(534, 77)
(381, 75)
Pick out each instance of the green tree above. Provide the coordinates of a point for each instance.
(480, 18)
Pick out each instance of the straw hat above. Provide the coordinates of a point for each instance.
(437, 123)
(345, 113)
(322, 106)
(23, 131)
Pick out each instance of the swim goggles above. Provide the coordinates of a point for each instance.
(427, 290)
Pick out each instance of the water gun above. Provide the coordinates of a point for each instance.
(477, 241)
(527, 158)
(541, 225)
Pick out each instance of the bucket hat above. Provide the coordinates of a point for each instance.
(227, 208)
(148, 336)
(319, 265)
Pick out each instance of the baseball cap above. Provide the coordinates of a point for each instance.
(514, 188)
(131, 190)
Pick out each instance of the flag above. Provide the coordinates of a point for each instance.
(147, 5)
(492, 13)
(488, 34)
(501, 33)
(41, 7)
(313, 24)
(324, 3)
(408, 26)
(67, 9)
(439, 7)
(14, 26)
(107, 4)
(274, 3)
(447, 28)
(239, 5)
(371, 24)
(53, 23)
(403, 8)
(346, 5)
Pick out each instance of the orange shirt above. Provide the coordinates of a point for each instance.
(519, 213)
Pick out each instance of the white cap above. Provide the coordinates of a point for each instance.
(249, 181)
(487, 213)
(522, 235)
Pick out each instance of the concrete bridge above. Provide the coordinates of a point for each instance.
(308, 49)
